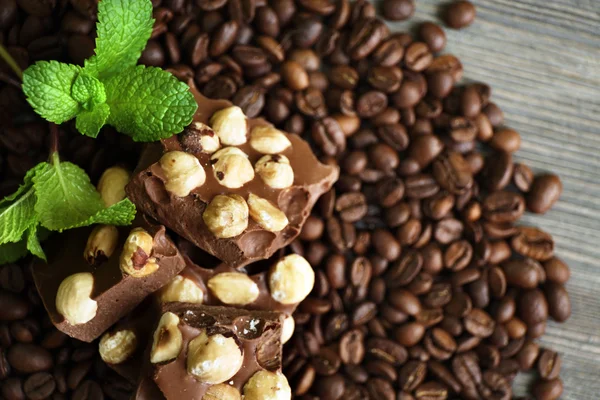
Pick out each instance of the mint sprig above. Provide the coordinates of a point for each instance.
(55, 196)
(145, 103)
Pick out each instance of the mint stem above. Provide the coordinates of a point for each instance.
(5, 55)
(6, 78)
(53, 141)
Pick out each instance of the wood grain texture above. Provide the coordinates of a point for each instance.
(542, 59)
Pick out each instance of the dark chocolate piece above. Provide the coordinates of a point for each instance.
(244, 343)
(185, 214)
(115, 293)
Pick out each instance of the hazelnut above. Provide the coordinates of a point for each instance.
(135, 257)
(265, 385)
(112, 185)
(167, 341)
(291, 279)
(222, 391)
(226, 216)
(199, 138)
(116, 347)
(73, 298)
(101, 244)
(234, 288)
(231, 167)
(183, 290)
(183, 172)
(275, 170)
(230, 125)
(287, 329)
(268, 140)
(213, 359)
(266, 214)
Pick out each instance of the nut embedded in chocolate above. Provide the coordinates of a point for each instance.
(233, 288)
(226, 216)
(135, 257)
(268, 140)
(117, 347)
(291, 279)
(111, 185)
(183, 172)
(265, 214)
(199, 138)
(267, 385)
(167, 341)
(275, 170)
(222, 391)
(231, 167)
(73, 298)
(101, 244)
(287, 329)
(230, 125)
(181, 289)
(214, 358)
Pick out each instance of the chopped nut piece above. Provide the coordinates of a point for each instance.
(73, 298)
(101, 244)
(183, 290)
(230, 125)
(168, 339)
(226, 216)
(222, 391)
(234, 288)
(232, 167)
(266, 214)
(291, 279)
(136, 257)
(276, 171)
(265, 385)
(112, 185)
(287, 329)
(268, 140)
(214, 359)
(199, 138)
(117, 347)
(183, 173)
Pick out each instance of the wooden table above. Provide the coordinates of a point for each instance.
(542, 59)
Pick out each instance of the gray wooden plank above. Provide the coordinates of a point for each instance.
(542, 59)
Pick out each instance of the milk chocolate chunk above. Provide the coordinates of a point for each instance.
(201, 351)
(238, 188)
(85, 295)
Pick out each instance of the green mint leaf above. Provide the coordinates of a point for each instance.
(90, 122)
(33, 242)
(88, 91)
(11, 252)
(120, 214)
(123, 28)
(47, 85)
(65, 195)
(149, 104)
(27, 183)
(17, 217)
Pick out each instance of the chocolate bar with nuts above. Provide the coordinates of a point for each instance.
(217, 352)
(95, 276)
(236, 187)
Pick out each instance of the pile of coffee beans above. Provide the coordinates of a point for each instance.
(427, 286)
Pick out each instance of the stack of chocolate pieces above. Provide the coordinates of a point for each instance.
(203, 265)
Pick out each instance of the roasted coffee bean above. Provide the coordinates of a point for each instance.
(533, 307)
(326, 362)
(398, 10)
(433, 35)
(330, 387)
(29, 358)
(438, 370)
(351, 206)
(39, 386)
(559, 303)
(418, 57)
(386, 79)
(548, 390)
(431, 391)
(409, 334)
(523, 177)
(452, 172)
(544, 193)
(88, 390)
(479, 323)
(467, 371)
(329, 136)
(404, 270)
(380, 388)
(15, 307)
(366, 35)
(387, 350)
(498, 170)
(412, 374)
(549, 364)
(371, 103)
(534, 243)
(439, 344)
(460, 14)
(351, 347)
(526, 273)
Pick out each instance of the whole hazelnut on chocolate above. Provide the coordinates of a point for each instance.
(275, 170)
(199, 138)
(231, 167)
(291, 279)
(73, 298)
(136, 257)
(167, 340)
(182, 290)
(287, 328)
(111, 185)
(233, 288)
(117, 347)
(183, 172)
(226, 215)
(222, 391)
(230, 125)
(265, 385)
(101, 244)
(268, 140)
(214, 358)
(265, 214)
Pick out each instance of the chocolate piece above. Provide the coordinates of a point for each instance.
(191, 337)
(180, 191)
(104, 294)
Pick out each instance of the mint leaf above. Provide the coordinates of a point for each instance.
(33, 243)
(120, 214)
(27, 183)
(17, 217)
(90, 122)
(11, 252)
(149, 104)
(123, 29)
(47, 85)
(65, 195)
(88, 91)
